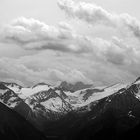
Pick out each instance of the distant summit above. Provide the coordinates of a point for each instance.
(74, 87)
(41, 84)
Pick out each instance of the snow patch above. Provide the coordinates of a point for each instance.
(2, 91)
(53, 104)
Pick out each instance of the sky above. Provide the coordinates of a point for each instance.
(93, 41)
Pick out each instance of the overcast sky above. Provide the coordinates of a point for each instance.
(41, 9)
(94, 41)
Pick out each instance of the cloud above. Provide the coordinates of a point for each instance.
(30, 70)
(66, 57)
(96, 15)
(62, 54)
(33, 34)
(86, 11)
(65, 25)
(106, 64)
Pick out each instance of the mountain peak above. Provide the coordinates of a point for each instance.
(73, 87)
(138, 79)
(8, 84)
(40, 84)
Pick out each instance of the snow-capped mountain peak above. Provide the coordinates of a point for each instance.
(25, 92)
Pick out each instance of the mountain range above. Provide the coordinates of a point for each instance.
(69, 111)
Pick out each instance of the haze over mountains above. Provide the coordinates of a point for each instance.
(69, 112)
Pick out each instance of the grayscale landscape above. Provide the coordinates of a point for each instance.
(69, 69)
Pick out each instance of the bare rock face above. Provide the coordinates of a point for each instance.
(73, 87)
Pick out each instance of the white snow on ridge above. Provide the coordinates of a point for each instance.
(23, 93)
(26, 92)
(137, 82)
(76, 99)
(2, 91)
(99, 95)
(53, 104)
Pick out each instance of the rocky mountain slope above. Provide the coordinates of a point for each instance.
(15, 127)
(71, 113)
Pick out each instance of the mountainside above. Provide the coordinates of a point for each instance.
(15, 127)
(111, 112)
